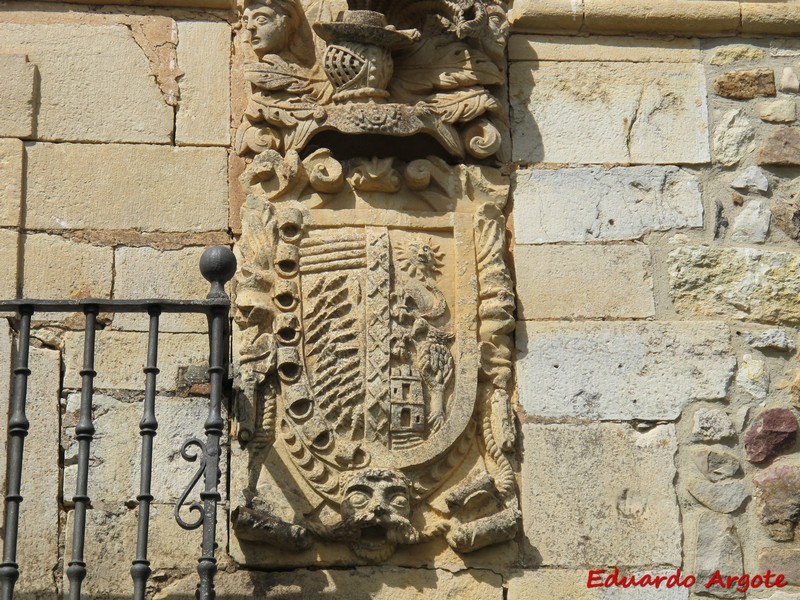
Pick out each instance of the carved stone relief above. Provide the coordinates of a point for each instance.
(395, 68)
(373, 308)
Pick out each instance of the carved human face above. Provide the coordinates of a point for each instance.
(377, 507)
(269, 29)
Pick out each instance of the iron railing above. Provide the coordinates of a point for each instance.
(218, 266)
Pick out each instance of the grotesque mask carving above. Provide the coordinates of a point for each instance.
(375, 511)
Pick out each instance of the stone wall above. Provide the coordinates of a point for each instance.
(114, 140)
(653, 224)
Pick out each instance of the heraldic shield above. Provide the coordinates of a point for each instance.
(373, 315)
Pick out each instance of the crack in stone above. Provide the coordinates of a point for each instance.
(158, 40)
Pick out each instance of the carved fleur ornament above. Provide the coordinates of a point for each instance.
(373, 307)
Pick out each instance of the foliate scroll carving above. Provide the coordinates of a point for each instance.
(388, 67)
(373, 317)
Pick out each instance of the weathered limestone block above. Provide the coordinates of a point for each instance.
(789, 81)
(120, 357)
(753, 376)
(11, 177)
(781, 560)
(381, 583)
(60, 268)
(722, 497)
(778, 111)
(781, 595)
(150, 273)
(614, 506)
(777, 500)
(716, 464)
(602, 48)
(621, 370)
(9, 263)
(733, 138)
(584, 282)
(116, 450)
(621, 112)
(712, 425)
(149, 188)
(717, 546)
(781, 148)
(38, 541)
(82, 68)
(17, 96)
(111, 546)
(566, 583)
(577, 205)
(725, 55)
(740, 283)
(752, 179)
(746, 85)
(204, 53)
(773, 339)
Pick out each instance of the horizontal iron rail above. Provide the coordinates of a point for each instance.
(106, 305)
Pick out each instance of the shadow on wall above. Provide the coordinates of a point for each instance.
(526, 139)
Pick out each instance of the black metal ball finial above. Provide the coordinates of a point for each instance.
(218, 266)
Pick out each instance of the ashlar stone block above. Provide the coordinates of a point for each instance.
(576, 282)
(600, 494)
(9, 262)
(111, 546)
(379, 583)
(585, 204)
(120, 357)
(96, 83)
(151, 273)
(57, 267)
(11, 178)
(601, 48)
(120, 186)
(115, 453)
(38, 540)
(204, 54)
(17, 96)
(545, 584)
(613, 371)
(622, 112)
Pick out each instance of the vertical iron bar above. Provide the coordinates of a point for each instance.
(140, 569)
(207, 564)
(17, 430)
(218, 265)
(84, 433)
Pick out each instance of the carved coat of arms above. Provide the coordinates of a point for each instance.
(373, 305)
